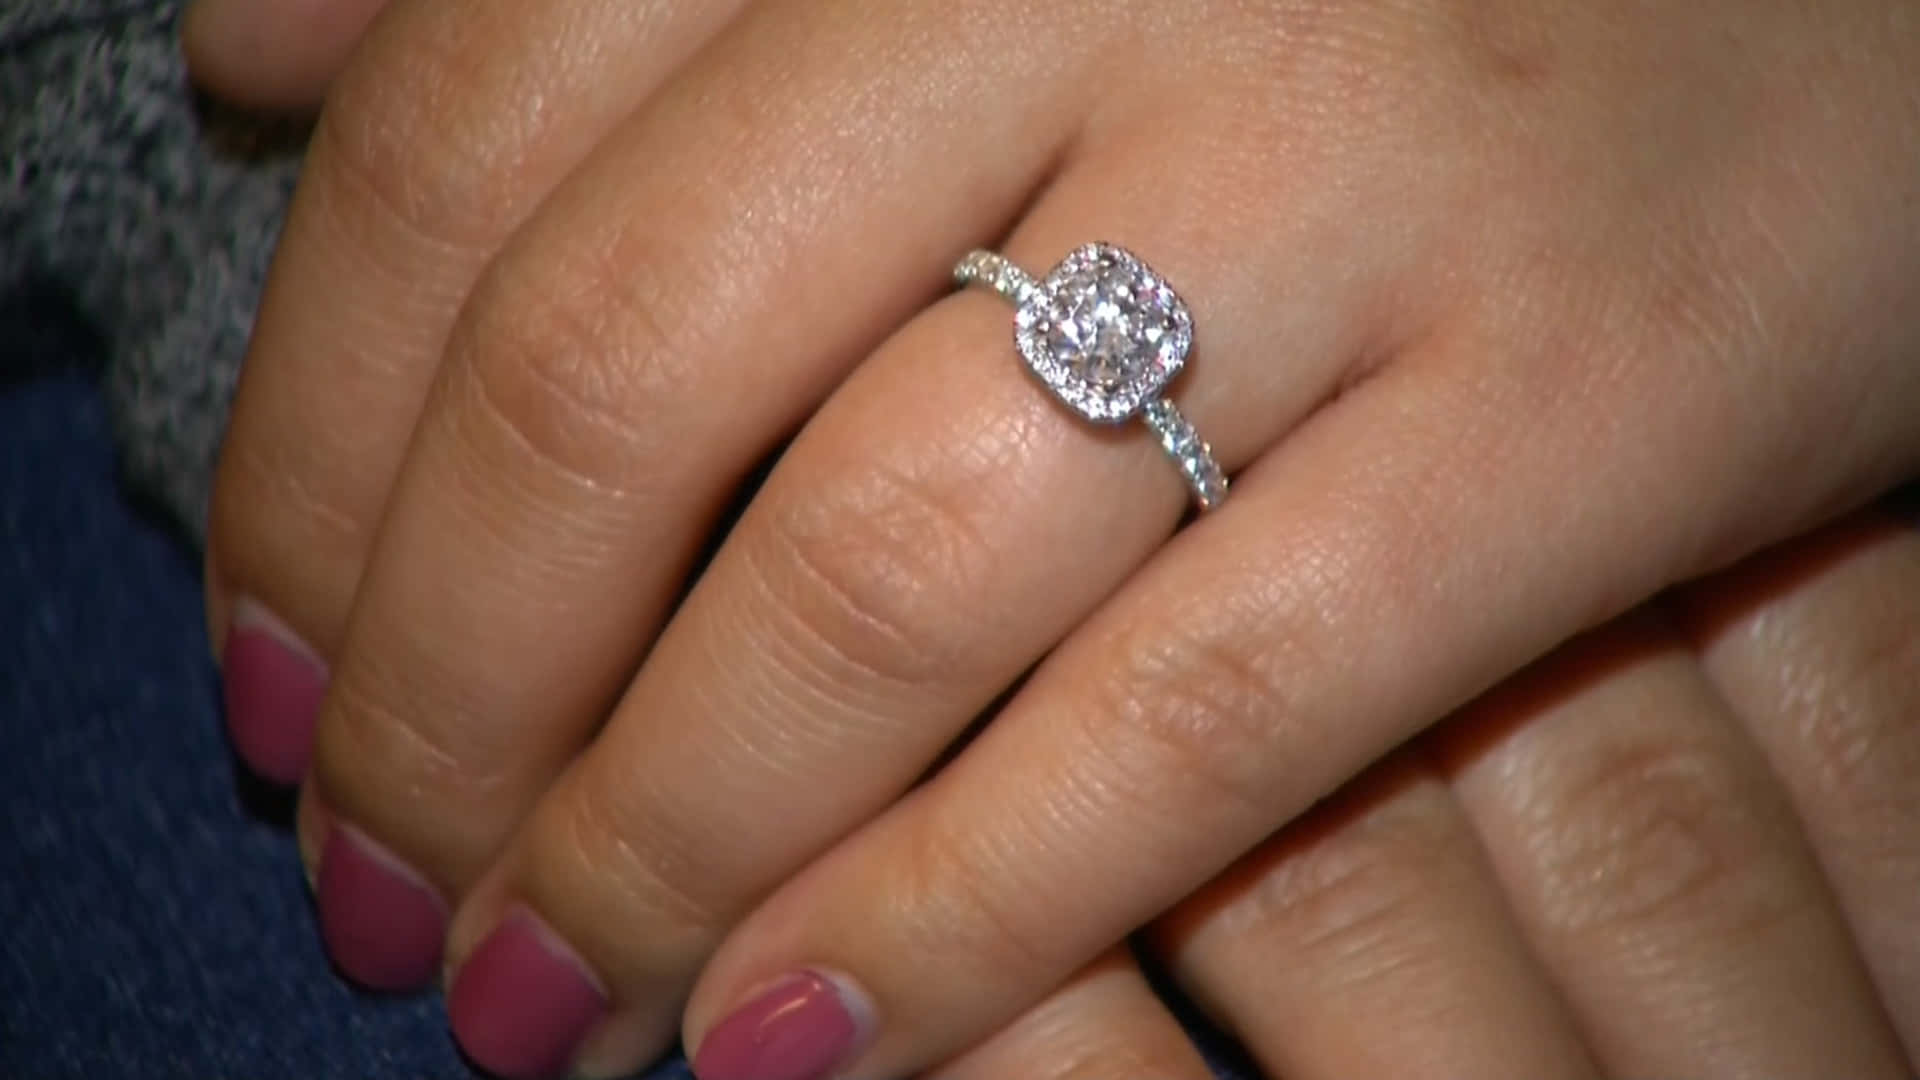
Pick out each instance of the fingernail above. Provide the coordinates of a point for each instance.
(523, 1003)
(273, 686)
(800, 1028)
(383, 924)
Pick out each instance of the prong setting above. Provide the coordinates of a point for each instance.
(1106, 335)
(1103, 332)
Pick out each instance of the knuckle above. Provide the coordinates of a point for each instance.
(956, 896)
(1356, 895)
(276, 516)
(379, 169)
(1653, 828)
(1140, 1051)
(865, 571)
(413, 136)
(1851, 715)
(1108, 1057)
(663, 884)
(574, 364)
(1508, 48)
(1851, 749)
(1184, 700)
(373, 739)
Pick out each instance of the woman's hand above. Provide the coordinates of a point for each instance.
(1687, 844)
(1508, 316)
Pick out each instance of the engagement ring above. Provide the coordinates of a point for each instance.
(1106, 335)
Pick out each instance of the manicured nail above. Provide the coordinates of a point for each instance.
(523, 1002)
(800, 1028)
(383, 924)
(273, 685)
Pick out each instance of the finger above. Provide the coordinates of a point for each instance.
(1105, 1022)
(1371, 939)
(1659, 871)
(1438, 525)
(272, 54)
(434, 147)
(1817, 648)
(671, 312)
(887, 582)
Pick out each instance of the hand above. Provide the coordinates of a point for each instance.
(1665, 850)
(1553, 337)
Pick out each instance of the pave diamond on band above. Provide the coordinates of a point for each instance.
(1106, 335)
(996, 272)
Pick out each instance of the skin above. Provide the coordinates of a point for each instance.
(1510, 317)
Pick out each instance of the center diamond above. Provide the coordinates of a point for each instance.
(1104, 332)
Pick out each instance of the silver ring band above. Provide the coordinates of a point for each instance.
(1106, 334)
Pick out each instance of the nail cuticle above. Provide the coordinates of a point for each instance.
(803, 1026)
(523, 1003)
(273, 684)
(383, 924)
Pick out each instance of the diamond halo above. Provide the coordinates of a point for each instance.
(1103, 332)
(1106, 335)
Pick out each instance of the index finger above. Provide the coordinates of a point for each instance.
(434, 147)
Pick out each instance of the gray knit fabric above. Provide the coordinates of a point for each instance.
(150, 215)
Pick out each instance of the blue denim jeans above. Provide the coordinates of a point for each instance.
(156, 924)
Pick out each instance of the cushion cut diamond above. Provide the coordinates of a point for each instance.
(1104, 332)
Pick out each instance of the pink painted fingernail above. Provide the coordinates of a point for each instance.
(383, 924)
(800, 1028)
(523, 1002)
(273, 686)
